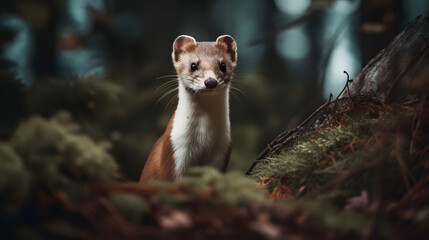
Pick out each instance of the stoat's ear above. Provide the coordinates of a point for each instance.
(228, 44)
(183, 44)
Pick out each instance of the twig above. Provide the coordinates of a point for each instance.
(346, 86)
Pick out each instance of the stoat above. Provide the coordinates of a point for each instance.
(199, 132)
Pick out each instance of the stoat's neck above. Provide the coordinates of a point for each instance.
(200, 123)
(203, 104)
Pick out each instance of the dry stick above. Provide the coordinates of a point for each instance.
(412, 65)
(346, 86)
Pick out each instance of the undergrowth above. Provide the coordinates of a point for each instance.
(370, 147)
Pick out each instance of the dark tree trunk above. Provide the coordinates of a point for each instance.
(399, 71)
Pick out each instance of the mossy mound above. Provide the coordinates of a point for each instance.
(371, 157)
(53, 145)
(50, 154)
(367, 146)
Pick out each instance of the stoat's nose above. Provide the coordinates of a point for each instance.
(210, 83)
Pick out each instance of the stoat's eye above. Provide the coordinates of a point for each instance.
(194, 67)
(222, 67)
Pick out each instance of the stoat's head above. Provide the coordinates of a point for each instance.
(205, 66)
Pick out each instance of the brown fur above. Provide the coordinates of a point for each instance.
(160, 164)
(207, 56)
(182, 45)
(227, 44)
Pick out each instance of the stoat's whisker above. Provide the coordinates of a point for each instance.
(166, 94)
(238, 90)
(237, 98)
(167, 76)
(166, 85)
(175, 97)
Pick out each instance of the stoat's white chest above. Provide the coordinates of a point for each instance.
(201, 133)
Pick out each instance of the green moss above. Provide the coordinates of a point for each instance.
(171, 201)
(233, 187)
(59, 155)
(201, 178)
(317, 158)
(133, 207)
(239, 190)
(15, 180)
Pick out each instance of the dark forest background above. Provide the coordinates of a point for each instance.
(104, 62)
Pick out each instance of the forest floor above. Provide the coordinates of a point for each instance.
(364, 175)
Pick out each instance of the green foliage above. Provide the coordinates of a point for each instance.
(319, 157)
(60, 153)
(238, 190)
(201, 178)
(53, 154)
(15, 180)
(133, 207)
(171, 201)
(233, 187)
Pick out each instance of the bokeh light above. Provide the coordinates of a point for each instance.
(20, 50)
(293, 7)
(293, 44)
(346, 54)
(344, 58)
